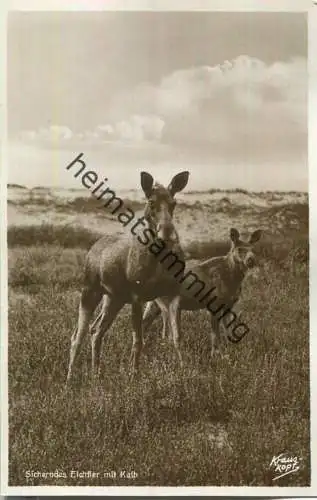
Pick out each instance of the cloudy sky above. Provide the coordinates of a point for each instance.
(221, 94)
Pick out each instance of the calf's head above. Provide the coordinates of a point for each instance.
(242, 251)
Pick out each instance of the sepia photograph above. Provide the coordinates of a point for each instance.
(158, 249)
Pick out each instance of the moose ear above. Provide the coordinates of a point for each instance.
(178, 182)
(234, 234)
(255, 236)
(147, 183)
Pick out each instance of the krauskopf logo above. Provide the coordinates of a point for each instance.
(284, 464)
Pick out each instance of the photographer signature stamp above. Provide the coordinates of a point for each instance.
(284, 464)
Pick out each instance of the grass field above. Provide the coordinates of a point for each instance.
(218, 422)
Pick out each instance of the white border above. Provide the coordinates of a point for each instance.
(157, 5)
(312, 175)
(162, 5)
(3, 257)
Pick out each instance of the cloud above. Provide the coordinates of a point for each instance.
(239, 108)
(186, 88)
(239, 104)
(54, 133)
(134, 129)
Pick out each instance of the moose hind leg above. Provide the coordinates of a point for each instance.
(109, 310)
(137, 342)
(175, 326)
(214, 334)
(151, 312)
(163, 304)
(88, 302)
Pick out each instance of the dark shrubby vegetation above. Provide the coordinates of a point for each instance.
(49, 234)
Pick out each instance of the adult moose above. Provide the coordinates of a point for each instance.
(127, 272)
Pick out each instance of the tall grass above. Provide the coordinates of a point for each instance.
(217, 422)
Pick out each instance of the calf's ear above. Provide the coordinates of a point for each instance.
(234, 235)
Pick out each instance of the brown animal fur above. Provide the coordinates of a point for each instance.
(128, 273)
(223, 274)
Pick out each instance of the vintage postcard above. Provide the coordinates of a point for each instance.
(157, 226)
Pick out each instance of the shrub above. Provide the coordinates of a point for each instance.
(48, 265)
(65, 236)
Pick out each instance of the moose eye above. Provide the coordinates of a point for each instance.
(242, 252)
(151, 203)
(172, 206)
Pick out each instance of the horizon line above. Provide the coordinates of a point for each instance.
(13, 185)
